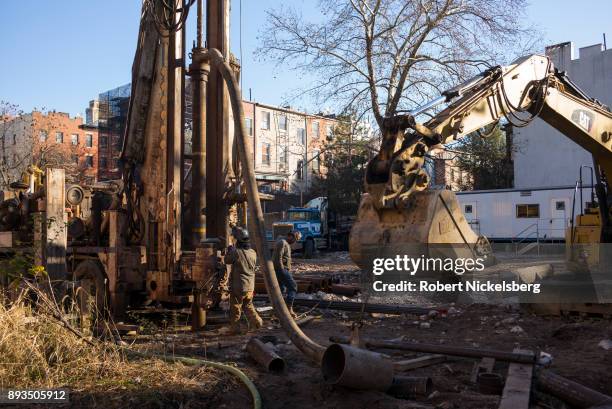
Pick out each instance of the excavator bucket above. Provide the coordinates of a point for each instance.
(430, 225)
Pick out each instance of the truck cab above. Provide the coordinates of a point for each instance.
(310, 221)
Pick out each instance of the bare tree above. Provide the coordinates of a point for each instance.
(379, 57)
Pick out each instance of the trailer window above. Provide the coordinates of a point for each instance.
(560, 205)
(467, 209)
(527, 211)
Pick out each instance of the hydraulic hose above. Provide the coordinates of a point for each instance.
(308, 347)
(201, 362)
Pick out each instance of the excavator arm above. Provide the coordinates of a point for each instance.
(397, 204)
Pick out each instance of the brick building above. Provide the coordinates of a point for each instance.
(445, 171)
(52, 139)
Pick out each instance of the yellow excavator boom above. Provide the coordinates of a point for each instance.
(398, 214)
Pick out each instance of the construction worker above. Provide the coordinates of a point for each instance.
(282, 266)
(242, 281)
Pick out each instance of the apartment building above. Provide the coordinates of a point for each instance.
(287, 145)
(108, 114)
(50, 139)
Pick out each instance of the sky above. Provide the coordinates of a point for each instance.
(60, 54)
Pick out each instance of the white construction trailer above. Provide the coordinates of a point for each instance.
(537, 214)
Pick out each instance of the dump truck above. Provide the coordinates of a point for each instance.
(320, 227)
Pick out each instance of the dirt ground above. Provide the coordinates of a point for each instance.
(572, 341)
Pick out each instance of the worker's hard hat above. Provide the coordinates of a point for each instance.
(241, 234)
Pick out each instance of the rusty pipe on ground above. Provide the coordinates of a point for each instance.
(308, 347)
(356, 368)
(571, 392)
(265, 356)
(523, 358)
(345, 289)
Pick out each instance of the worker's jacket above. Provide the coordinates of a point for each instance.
(243, 263)
(282, 255)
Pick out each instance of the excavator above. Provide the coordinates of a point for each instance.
(399, 214)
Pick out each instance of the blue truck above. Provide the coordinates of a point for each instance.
(320, 227)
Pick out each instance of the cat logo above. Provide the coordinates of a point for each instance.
(583, 118)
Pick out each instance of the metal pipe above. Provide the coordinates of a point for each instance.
(582, 187)
(356, 368)
(198, 314)
(199, 70)
(523, 358)
(308, 347)
(571, 392)
(435, 102)
(357, 306)
(199, 24)
(265, 356)
(345, 289)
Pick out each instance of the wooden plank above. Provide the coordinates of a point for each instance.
(56, 222)
(485, 365)
(419, 362)
(518, 386)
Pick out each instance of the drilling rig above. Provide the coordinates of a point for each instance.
(158, 234)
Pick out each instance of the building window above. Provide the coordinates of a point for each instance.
(103, 163)
(42, 135)
(89, 161)
(467, 209)
(282, 122)
(89, 140)
(282, 155)
(315, 129)
(527, 211)
(330, 132)
(300, 170)
(316, 161)
(301, 136)
(75, 159)
(560, 205)
(249, 126)
(103, 141)
(265, 120)
(59, 137)
(14, 139)
(74, 138)
(265, 153)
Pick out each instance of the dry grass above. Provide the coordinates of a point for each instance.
(38, 351)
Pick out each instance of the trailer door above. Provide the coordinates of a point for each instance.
(559, 217)
(470, 211)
